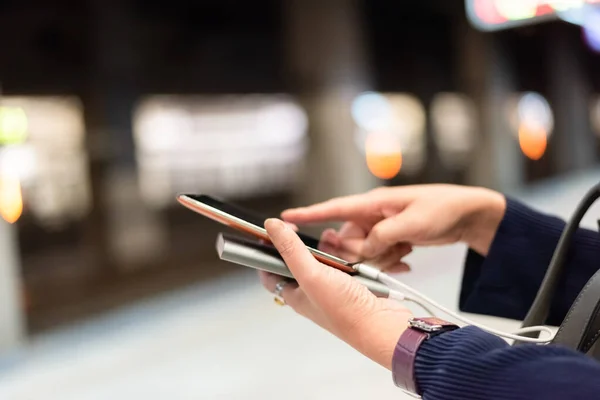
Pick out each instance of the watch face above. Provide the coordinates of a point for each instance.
(430, 324)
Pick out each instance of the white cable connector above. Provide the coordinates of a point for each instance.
(400, 297)
(367, 271)
(399, 293)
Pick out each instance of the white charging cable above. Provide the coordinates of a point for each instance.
(399, 296)
(415, 296)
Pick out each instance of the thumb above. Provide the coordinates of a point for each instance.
(389, 232)
(299, 260)
(326, 286)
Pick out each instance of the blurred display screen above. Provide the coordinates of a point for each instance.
(42, 151)
(490, 15)
(230, 146)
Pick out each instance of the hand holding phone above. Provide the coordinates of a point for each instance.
(253, 224)
(265, 257)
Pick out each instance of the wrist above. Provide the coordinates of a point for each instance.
(483, 219)
(385, 337)
(405, 352)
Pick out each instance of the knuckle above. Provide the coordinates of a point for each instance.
(376, 233)
(379, 234)
(286, 247)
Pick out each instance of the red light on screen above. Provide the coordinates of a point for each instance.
(486, 10)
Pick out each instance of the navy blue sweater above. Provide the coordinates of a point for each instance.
(471, 364)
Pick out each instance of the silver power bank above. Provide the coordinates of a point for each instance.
(266, 258)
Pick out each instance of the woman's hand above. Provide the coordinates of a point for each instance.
(335, 301)
(383, 224)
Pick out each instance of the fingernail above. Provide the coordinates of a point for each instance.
(274, 224)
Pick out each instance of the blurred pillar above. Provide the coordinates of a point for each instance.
(573, 143)
(11, 311)
(486, 76)
(108, 108)
(327, 67)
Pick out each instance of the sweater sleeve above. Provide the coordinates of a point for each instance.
(505, 282)
(470, 364)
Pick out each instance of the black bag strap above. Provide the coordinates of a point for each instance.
(581, 327)
(538, 313)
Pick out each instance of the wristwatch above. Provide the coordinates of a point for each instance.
(403, 360)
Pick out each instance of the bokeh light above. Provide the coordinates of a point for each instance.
(534, 111)
(282, 123)
(163, 127)
(453, 118)
(233, 146)
(532, 122)
(49, 160)
(408, 124)
(13, 125)
(564, 5)
(517, 9)
(13, 161)
(503, 14)
(395, 119)
(18, 161)
(372, 111)
(533, 141)
(11, 199)
(487, 12)
(384, 154)
(591, 28)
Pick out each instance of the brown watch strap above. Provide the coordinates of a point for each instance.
(403, 362)
(405, 353)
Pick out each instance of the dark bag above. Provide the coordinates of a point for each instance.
(580, 329)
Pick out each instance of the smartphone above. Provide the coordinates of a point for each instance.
(253, 224)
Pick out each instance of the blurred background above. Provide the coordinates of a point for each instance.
(108, 109)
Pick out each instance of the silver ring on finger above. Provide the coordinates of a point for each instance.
(279, 300)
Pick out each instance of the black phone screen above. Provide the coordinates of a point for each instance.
(247, 216)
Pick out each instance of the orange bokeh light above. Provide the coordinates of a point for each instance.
(11, 199)
(384, 156)
(533, 141)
